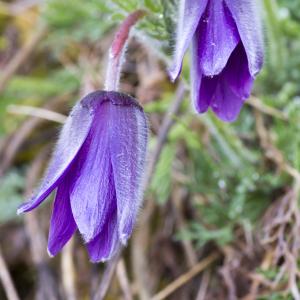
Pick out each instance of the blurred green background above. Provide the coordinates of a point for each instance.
(225, 189)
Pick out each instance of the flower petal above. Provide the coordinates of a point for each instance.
(207, 90)
(62, 225)
(72, 137)
(225, 103)
(105, 245)
(202, 87)
(128, 143)
(218, 37)
(190, 13)
(196, 77)
(93, 188)
(237, 73)
(246, 16)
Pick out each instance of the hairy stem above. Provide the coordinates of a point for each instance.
(117, 50)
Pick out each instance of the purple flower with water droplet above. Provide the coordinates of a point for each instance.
(97, 169)
(227, 52)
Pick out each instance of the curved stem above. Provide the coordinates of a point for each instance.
(117, 50)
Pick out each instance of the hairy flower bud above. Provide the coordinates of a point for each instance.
(97, 169)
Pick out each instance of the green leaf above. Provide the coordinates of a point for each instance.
(162, 180)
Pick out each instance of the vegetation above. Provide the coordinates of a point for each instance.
(226, 195)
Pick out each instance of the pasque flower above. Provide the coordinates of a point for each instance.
(227, 52)
(97, 169)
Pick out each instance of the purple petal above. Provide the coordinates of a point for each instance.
(93, 186)
(237, 73)
(225, 103)
(62, 225)
(110, 164)
(207, 90)
(218, 37)
(106, 243)
(72, 137)
(129, 136)
(190, 13)
(246, 16)
(226, 92)
(196, 78)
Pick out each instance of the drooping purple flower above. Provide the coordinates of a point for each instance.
(227, 52)
(97, 169)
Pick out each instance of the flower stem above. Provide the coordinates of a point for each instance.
(117, 50)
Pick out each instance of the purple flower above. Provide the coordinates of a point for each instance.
(227, 52)
(97, 169)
